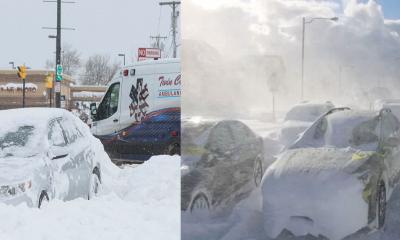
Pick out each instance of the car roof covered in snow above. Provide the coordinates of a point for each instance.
(39, 117)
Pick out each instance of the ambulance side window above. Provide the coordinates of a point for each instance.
(109, 105)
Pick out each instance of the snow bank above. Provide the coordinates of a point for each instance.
(15, 86)
(136, 203)
(88, 94)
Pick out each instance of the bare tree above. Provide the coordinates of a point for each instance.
(70, 60)
(99, 70)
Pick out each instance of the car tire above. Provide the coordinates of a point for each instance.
(94, 185)
(43, 199)
(258, 171)
(381, 204)
(200, 203)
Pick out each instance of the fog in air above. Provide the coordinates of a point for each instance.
(238, 54)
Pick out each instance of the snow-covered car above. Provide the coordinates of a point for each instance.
(299, 118)
(47, 153)
(224, 162)
(335, 179)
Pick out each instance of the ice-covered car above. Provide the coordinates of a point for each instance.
(47, 153)
(225, 161)
(335, 179)
(299, 118)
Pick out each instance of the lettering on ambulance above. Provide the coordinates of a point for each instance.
(139, 107)
(166, 83)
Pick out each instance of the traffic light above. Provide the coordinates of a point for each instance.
(49, 81)
(22, 72)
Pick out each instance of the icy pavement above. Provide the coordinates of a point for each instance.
(139, 202)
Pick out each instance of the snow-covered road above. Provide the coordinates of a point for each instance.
(136, 203)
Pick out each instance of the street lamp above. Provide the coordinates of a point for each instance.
(12, 64)
(335, 19)
(122, 55)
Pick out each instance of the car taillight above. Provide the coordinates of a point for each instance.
(174, 133)
(126, 72)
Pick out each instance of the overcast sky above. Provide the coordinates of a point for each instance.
(105, 27)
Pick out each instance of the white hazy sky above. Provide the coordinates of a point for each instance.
(105, 27)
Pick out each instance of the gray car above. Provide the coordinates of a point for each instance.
(46, 154)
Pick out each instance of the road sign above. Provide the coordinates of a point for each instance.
(144, 53)
(57, 87)
(59, 72)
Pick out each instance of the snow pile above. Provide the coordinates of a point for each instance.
(86, 94)
(18, 86)
(136, 203)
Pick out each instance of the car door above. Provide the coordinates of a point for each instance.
(108, 112)
(60, 161)
(219, 162)
(81, 154)
(246, 151)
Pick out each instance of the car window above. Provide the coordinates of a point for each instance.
(220, 139)
(365, 133)
(71, 131)
(109, 105)
(241, 133)
(56, 134)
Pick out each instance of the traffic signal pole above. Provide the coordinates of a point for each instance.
(58, 54)
(23, 93)
(22, 75)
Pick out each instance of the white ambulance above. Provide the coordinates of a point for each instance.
(139, 115)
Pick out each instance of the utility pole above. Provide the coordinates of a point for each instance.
(58, 50)
(175, 15)
(58, 53)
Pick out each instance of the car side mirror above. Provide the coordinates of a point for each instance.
(393, 142)
(56, 152)
(93, 110)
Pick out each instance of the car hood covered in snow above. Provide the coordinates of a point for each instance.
(16, 169)
(316, 191)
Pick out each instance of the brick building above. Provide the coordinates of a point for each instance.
(37, 95)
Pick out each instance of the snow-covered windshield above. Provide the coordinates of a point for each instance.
(343, 130)
(307, 112)
(19, 142)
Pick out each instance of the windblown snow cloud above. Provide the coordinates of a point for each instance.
(233, 48)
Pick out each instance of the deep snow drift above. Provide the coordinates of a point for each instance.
(136, 203)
